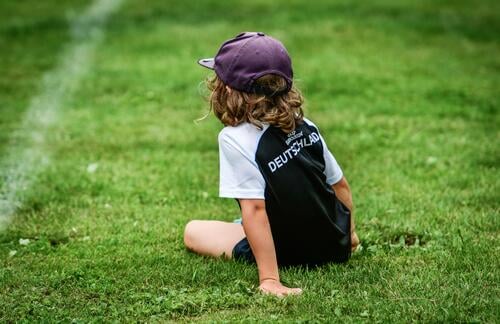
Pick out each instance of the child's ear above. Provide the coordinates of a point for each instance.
(228, 89)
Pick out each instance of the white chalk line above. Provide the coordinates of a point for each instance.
(20, 165)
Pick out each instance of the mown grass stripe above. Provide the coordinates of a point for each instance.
(28, 155)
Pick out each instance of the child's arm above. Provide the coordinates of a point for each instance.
(343, 192)
(258, 232)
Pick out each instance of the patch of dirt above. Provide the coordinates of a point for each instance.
(409, 239)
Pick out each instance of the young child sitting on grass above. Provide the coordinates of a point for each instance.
(295, 203)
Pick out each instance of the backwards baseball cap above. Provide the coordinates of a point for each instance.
(247, 57)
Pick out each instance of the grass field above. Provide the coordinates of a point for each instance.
(406, 93)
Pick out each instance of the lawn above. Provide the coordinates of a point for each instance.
(406, 94)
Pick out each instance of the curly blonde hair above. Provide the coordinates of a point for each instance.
(277, 107)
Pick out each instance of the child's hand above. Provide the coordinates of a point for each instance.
(354, 241)
(274, 287)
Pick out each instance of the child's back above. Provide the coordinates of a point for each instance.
(293, 173)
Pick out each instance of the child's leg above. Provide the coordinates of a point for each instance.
(212, 238)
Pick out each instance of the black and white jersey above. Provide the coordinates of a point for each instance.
(293, 173)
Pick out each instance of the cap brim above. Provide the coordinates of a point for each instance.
(207, 62)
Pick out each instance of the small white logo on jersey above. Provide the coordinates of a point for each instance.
(293, 136)
(292, 151)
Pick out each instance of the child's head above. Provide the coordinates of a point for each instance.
(254, 83)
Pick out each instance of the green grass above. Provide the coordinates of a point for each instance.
(404, 92)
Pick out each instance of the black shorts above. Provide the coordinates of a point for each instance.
(243, 252)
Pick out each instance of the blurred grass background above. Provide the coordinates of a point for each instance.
(404, 92)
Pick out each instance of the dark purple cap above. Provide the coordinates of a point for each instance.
(247, 57)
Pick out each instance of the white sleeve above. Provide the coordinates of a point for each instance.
(333, 172)
(240, 176)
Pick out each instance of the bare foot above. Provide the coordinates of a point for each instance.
(274, 287)
(354, 241)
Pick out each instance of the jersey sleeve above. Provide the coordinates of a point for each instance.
(240, 176)
(332, 171)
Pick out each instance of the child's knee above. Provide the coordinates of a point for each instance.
(190, 234)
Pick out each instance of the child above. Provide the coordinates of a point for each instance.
(295, 203)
